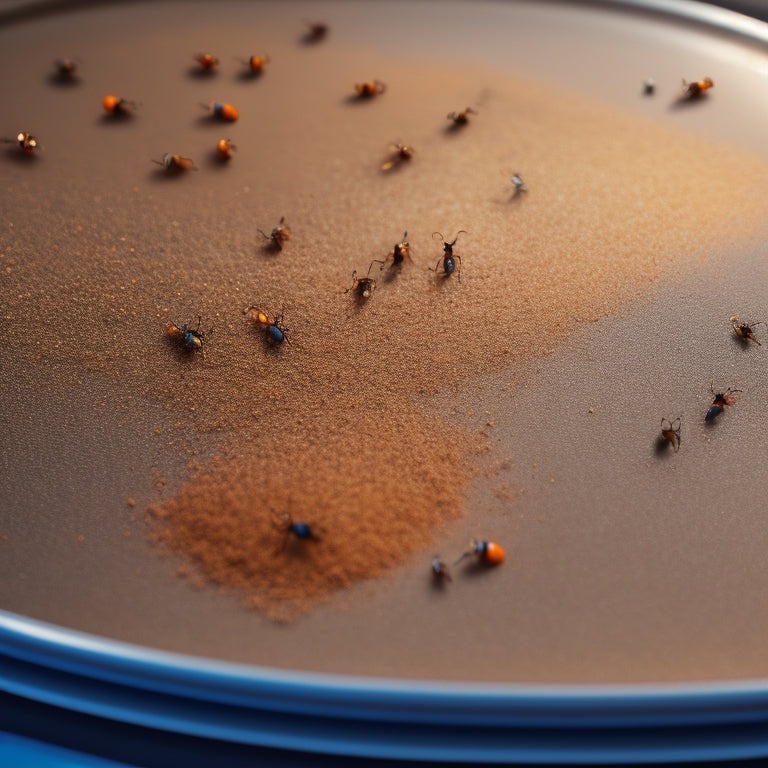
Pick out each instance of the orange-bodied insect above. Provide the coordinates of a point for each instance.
(222, 111)
(670, 433)
(370, 89)
(208, 62)
(188, 338)
(27, 143)
(316, 31)
(719, 403)
(114, 105)
(363, 287)
(697, 89)
(176, 163)
(745, 331)
(225, 148)
(400, 154)
(255, 65)
(440, 572)
(400, 252)
(278, 236)
(486, 551)
(276, 331)
(462, 117)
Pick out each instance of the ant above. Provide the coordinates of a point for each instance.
(278, 236)
(225, 148)
(208, 62)
(256, 65)
(449, 257)
(487, 552)
(363, 287)
(276, 331)
(370, 89)
(649, 86)
(744, 331)
(28, 143)
(117, 107)
(222, 111)
(462, 117)
(719, 403)
(400, 252)
(696, 89)
(301, 531)
(440, 572)
(316, 31)
(670, 433)
(176, 163)
(400, 153)
(190, 339)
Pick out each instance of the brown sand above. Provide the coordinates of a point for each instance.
(339, 428)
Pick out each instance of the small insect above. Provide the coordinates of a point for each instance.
(518, 184)
(363, 287)
(28, 143)
(276, 332)
(370, 89)
(649, 86)
(744, 331)
(255, 65)
(301, 531)
(65, 70)
(222, 111)
(461, 118)
(225, 148)
(207, 61)
(176, 163)
(400, 252)
(670, 432)
(278, 236)
(440, 572)
(400, 154)
(449, 257)
(486, 551)
(190, 339)
(719, 403)
(114, 105)
(316, 31)
(696, 89)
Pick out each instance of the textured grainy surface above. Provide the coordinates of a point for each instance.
(438, 410)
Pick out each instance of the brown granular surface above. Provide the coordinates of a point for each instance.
(335, 428)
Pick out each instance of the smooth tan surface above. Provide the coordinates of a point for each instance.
(520, 403)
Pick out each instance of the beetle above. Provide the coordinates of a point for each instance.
(300, 531)
(275, 330)
(190, 339)
(448, 258)
(176, 163)
(488, 552)
(255, 64)
(222, 111)
(440, 572)
(316, 31)
(278, 236)
(400, 154)
(461, 117)
(27, 143)
(670, 432)
(369, 89)
(363, 287)
(719, 403)
(697, 88)
(117, 106)
(745, 331)
(207, 61)
(225, 148)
